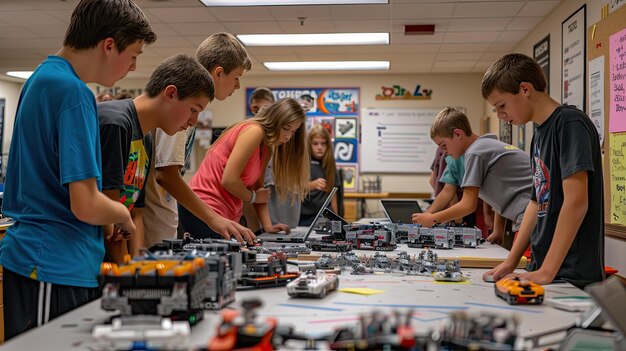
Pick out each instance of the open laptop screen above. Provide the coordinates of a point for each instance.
(400, 211)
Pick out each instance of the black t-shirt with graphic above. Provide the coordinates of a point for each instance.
(566, 143)
(126, 151)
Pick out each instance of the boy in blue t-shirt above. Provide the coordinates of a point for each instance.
(52, 254)
(566, 208)
(178, 90)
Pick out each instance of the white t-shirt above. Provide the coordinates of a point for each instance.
(160, 215)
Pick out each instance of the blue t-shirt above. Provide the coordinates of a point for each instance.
(56, 141)
(455, 169)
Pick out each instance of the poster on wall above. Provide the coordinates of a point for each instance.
(617, 82)
(346, 128)
(617, 174)
(596, 94)
(574, 33)
(350, 177)
(338, 102)
(541, 54)
(397, 140)
(327, 123)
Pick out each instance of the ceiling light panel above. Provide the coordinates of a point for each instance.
(20, 74)
(288, 2)
(327, 66)
(314, 39)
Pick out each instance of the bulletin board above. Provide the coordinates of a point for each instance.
(606, 48)
(397, 140)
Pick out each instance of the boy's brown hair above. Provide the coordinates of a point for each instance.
(184, 72)
(96, 20)
(223, 49)
(447, 121)
(509, 71)
(262, 93)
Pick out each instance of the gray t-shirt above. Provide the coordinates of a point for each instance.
(286, 212)
(567, 143)
(502, 173)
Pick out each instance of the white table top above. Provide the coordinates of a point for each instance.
(431, 301)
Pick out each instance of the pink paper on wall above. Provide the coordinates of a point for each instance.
(617, 82)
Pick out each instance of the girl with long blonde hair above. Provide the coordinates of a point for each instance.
(232, 171)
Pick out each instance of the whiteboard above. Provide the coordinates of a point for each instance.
(397, 140)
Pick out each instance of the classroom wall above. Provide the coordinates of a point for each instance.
(448, 89)
(614, 247)
(9, 91)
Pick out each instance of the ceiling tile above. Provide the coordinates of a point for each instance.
(360, 12)
(291, 13)
(308, 27)
(181, 15)
(400, 38)
(514, 36)
(20, 18)
(477, 47)
(475, 31)
(491, 56)
(239, 14)
(55, 31)
(478, 24)
(17, 32)
(459, 56)
(167, 52)
(170, 42)
(524, 23)
(471, 37)
(501, 47)
(369, 26)
(538, 8)
(487, 9)
(264, 50)
(423, 48)
(252, 27)
(162, 29)
(422, 11)
(197, 29)
(467, 64)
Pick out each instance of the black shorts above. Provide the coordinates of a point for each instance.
(193, 225)
(30, 303)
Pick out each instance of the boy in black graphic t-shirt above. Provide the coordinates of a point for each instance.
(178, 90)
(564, 221)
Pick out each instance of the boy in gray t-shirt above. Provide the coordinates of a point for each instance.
(495, 172)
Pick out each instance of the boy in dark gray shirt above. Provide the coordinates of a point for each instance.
(566, 208)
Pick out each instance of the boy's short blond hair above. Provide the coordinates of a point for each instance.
(509, 71)
(447, 121)
(223, 49)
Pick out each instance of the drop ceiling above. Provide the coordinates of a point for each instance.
(469, 35)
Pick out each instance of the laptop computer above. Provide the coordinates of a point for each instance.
(299, 234)
(400, 211)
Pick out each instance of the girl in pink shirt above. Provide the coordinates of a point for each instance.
(233, 168)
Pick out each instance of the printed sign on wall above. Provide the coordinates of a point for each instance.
(319, 101)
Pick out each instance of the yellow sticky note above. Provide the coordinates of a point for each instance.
(362, 291)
